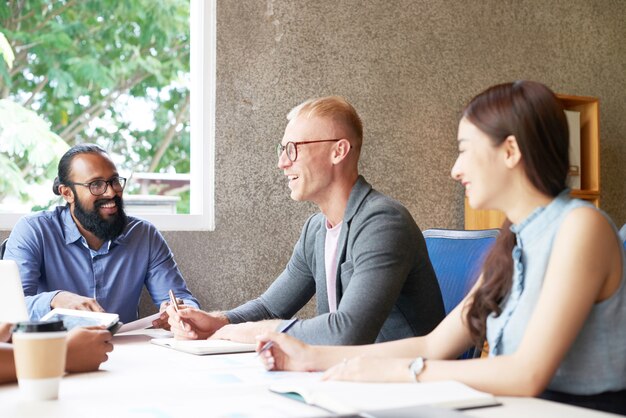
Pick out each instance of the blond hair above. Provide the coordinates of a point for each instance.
(333, 107)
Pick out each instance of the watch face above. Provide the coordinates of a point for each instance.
(417, 366)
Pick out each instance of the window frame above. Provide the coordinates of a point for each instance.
(203, 24)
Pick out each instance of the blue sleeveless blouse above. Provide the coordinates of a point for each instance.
(596, 362)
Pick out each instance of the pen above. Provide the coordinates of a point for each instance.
(175, 305)
(269, 344)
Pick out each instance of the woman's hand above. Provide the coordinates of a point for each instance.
(5, 331)
(87, 348)
(286, 353)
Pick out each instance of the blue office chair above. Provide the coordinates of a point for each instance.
(457, 257)
(622, 234)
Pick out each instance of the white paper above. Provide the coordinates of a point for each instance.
(142, 323)
(73, 318)
(201, 347)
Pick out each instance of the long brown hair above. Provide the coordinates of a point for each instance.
(533, 115)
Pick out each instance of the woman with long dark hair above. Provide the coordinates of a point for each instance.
(551, 299)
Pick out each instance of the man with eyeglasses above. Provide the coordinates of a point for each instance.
(89, 254)
(363, 256)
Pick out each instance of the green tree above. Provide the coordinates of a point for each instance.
(77, 62)
(23, 132)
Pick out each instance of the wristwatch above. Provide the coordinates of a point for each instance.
(416, 367)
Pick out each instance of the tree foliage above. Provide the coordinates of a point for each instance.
(86, 66)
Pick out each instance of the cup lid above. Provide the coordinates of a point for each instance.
(39, 326)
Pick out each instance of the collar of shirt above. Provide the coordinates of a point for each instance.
(102, 251)
(531, 228)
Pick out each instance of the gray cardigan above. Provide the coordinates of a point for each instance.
(386, 286)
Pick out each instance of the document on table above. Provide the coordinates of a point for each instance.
(352, 398)
(73, 318)
(202, 347)
(142, 323)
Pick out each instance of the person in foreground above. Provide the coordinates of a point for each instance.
(89, 255)
(87, 348)
(551, 299)
(363, 255)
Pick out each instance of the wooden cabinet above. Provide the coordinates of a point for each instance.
(589, 162)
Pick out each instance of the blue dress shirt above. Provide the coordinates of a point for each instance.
(53, 256)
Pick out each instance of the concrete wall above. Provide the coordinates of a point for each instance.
(408, 67)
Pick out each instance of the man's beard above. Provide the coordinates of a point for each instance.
(105, 229)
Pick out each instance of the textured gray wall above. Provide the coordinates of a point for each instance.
(408, 67)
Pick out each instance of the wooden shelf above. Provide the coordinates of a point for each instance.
(589, 162)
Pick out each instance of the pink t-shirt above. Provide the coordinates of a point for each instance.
(330, 262)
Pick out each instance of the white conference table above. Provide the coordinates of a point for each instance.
(142, 380)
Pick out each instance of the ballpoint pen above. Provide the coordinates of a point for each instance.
(269, 344)
(174, 303)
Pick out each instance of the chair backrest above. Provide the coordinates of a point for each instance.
(3, 247)
(622, 234)
(457, 257)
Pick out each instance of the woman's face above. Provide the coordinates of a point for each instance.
(479, 167)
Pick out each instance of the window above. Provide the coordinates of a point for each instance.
(52, 74)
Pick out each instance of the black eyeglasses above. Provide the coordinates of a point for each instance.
(292, 147)
(99, 187)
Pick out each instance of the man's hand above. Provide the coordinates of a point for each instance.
(87, 348)
(246, 332)
(70, 300)
(161, 321)
(193, 323)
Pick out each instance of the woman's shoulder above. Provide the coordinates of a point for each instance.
(582, 215)
(588, 232)
(586, 221)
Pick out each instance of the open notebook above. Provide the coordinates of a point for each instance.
(352, 398)
(202, 347)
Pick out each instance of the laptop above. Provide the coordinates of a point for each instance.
(12, 303)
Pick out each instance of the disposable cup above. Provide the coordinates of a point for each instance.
(39, 352)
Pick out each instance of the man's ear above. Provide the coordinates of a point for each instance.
(341, 150)
(67, 193)
(512, 153)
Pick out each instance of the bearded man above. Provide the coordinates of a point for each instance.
(89, 254)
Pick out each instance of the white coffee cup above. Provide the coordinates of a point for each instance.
(39, 350)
